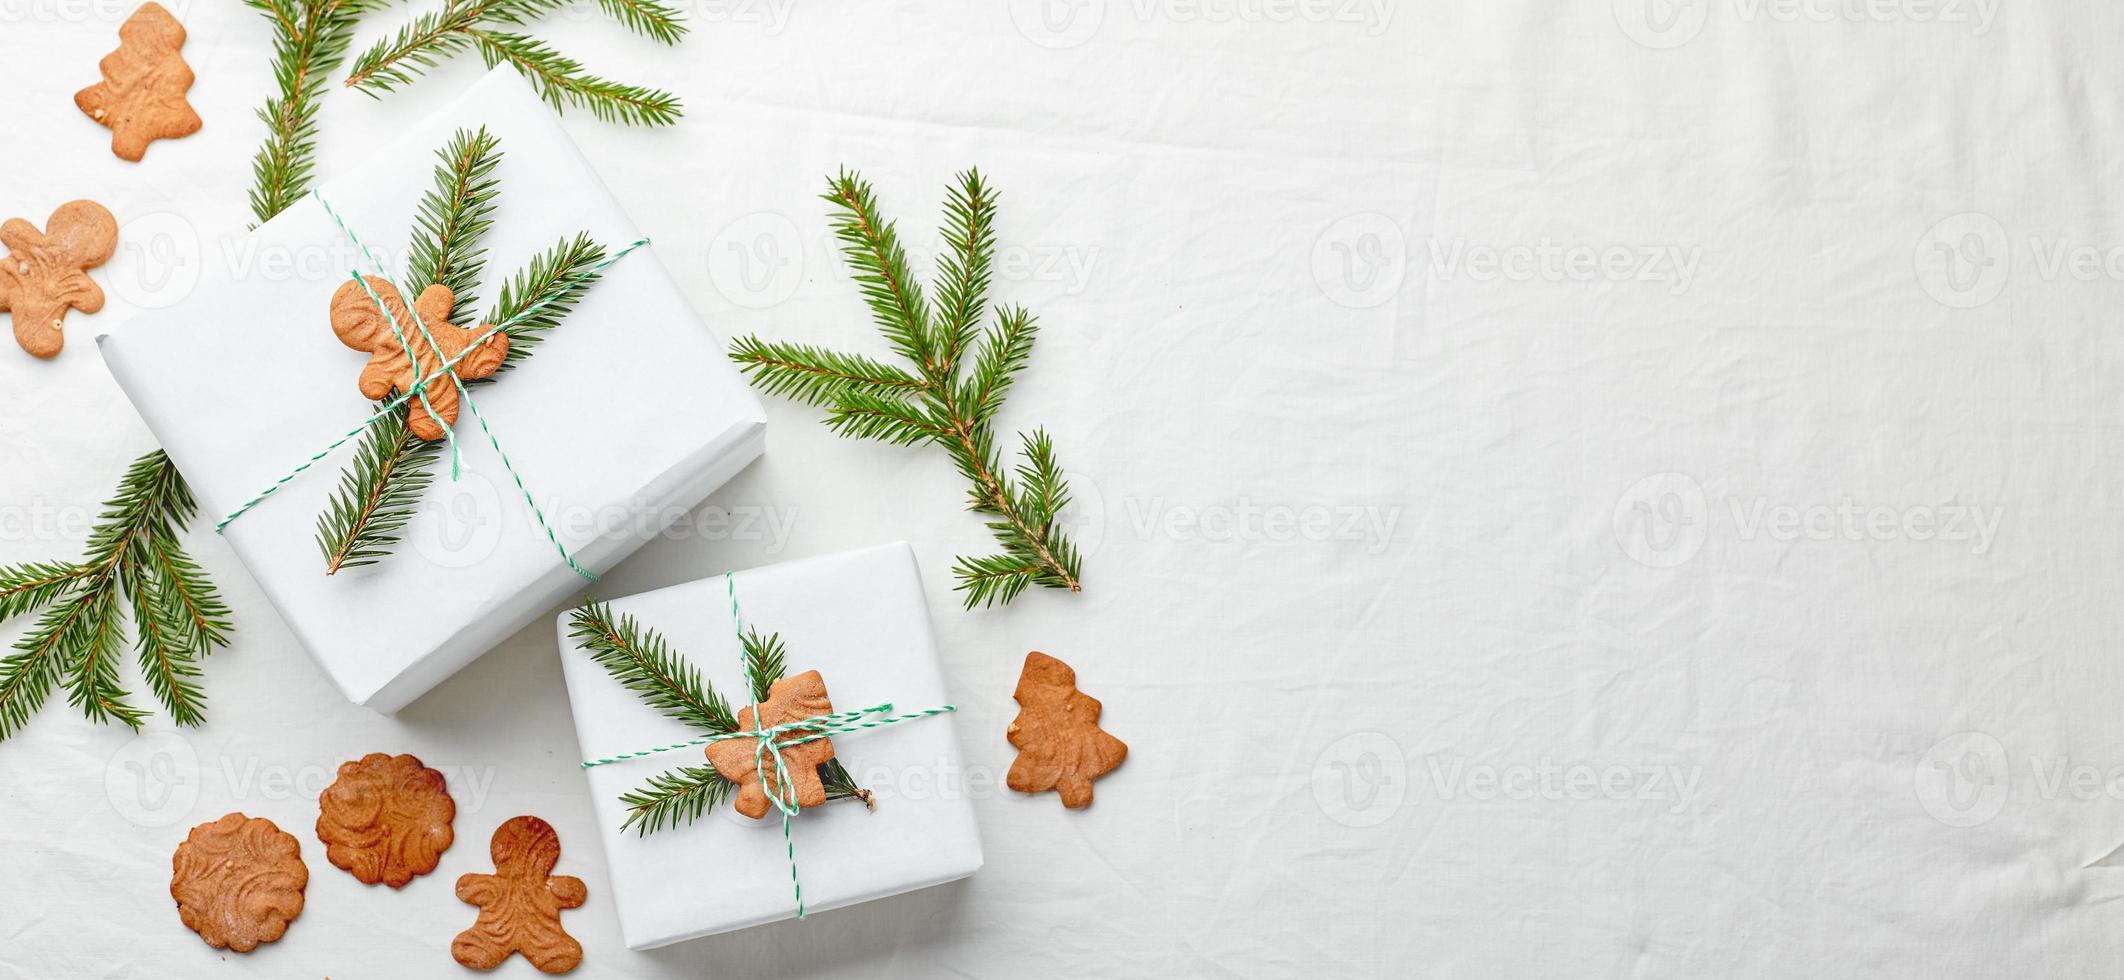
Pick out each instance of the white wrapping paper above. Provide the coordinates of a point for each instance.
(628, 414)
(860, 620)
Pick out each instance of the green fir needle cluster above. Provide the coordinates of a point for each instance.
(392, 468)
(950, 393)
(493, 28)
(642, 661)
(136, 569)
(310, 39)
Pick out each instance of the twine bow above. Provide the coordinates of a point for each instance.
(448, 370)
(768, 743)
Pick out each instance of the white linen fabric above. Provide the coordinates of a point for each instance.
(1618, 488)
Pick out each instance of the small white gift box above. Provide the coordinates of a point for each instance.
(858, 618)
(629, 414)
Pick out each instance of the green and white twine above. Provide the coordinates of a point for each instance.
(767, 742)
(449, 370)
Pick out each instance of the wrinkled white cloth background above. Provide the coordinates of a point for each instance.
(1606, 489)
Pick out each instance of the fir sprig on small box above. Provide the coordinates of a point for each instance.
(950, 395)
(643, 662)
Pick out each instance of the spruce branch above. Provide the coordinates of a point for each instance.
(674, 799)
(454, 215)
(378, 494)
(381, 489)
(434, 37)
(310, 39)
(644, 663)
(562, 82)
(938, 401)
(135, 563)
(765, 662)
(548, 288)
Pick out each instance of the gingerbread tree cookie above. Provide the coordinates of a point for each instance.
(1060, 744)
(141, 97)
(46, 273)
(386, 818)
(790, 699)
(521, 902)
(238, 882)
(363, 326)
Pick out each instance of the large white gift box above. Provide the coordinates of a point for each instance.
(629, 414)
(860, 620)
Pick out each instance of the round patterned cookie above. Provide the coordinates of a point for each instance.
(238, 881)
(387, 819)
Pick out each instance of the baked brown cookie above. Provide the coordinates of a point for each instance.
(1060, 744)
(363, 326)
(238, 881)
(521, 902)
(46, 273)
(738, 759)
(386, 819)
(141, 97)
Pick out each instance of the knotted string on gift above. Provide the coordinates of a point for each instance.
(448, 370)
(767, 742)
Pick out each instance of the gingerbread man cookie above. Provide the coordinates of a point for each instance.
(46, 273)
(520, 904)
(362, 325)
(387, 818)
(790, 699)
(1060, 744)
(141, 97)
(238, 882)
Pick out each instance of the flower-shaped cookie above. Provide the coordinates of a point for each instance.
(238, 882)
(790, 699)
(387, 818)
(46, 273)
(362, 325)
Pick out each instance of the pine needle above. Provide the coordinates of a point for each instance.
(674, 799)
(938, 401)
(641, 661)
(378, 494)
(135, 563)
(310, 39)
(765, 662)
(431, 38)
